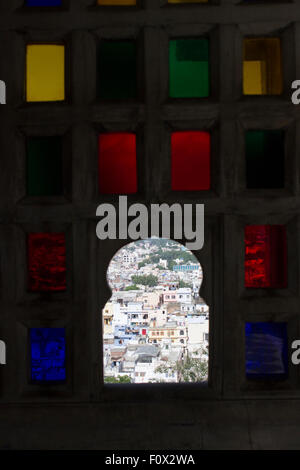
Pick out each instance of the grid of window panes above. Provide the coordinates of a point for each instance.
(124, 101)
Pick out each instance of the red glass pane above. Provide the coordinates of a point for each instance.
(265, 256)
(117, 163)
(190, 161)
(47, 262)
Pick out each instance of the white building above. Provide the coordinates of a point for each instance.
(182, 295)
(198, 333)
(128, 257)
(136, 315)
(187, 308)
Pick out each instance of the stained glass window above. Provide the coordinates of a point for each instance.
(190, 161)
(266, 350)
(44, 166)
(43, 3)
(45, 72)
(265, 159)
(48, 354)
(117, 163)
(189, 68)
(117, 70)
(262, 66)
(265, 256)
(47, 262)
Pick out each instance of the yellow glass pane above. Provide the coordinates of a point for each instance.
(45, 72)
(187, 1)
(254, 77)
(262, 66)
(117, 2)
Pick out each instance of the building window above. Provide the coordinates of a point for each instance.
(265, 256)
(43, 3)
(45, 72)
(266, 350)
(44, 166)
(48, 355)
(265, 159)
(189, 68)
(117, 70)
(190, 156)
(262, 66)
(46, 262)
(117, 163)
(171, 329)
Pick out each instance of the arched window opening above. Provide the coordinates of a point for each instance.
(155, 325)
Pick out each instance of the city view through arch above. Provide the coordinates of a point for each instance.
(155, 325)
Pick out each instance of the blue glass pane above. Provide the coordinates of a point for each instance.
(266, 350)
(43, 3)
(48, 354)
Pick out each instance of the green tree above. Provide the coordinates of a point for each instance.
(142, 264)
(149, 280)
(192, 369)
(189, 369)
(133, 287)
(171, 263)
(120, 379)
(184, 284)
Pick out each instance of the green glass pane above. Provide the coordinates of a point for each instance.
(44, 166)
(265, 159)
(117, 70)
(189, 68)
